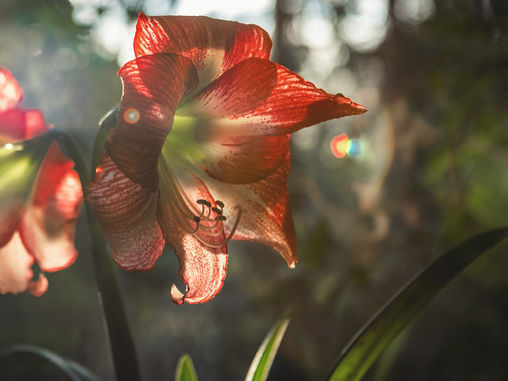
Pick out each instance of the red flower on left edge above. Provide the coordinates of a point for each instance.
(41, 227)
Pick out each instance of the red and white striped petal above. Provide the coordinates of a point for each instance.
(259, 97)
(10, 91)
(127, 213)
(244, 160)
(15, 269)
(202, 268)
(200, 247)
(212, 45)
(265, 212)
(152, 88)
(48, 225)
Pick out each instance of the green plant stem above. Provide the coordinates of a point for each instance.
(115, 319)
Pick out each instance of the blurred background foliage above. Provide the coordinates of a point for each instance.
(431, 171)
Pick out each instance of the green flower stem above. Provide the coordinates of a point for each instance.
(122, 345)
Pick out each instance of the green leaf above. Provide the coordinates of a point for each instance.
(107, 122)
(185, 370)
(27, 362)
(262, 362)
(388, 322)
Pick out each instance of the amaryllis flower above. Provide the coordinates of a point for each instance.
(38, 205)
(199, 154)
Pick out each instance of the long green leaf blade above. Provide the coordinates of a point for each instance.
(185, 370)
(29, 362)
(262, 362)
(375, 336)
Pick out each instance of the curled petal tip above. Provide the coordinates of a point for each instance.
(358, 107)
(176, 295)
(355, 108)
(39, 286)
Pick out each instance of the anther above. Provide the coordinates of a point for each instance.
(204, 202)
(217, 211)
(219, 203)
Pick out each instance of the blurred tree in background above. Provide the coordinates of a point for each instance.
(431, 171)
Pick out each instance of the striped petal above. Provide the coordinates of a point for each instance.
(265, 212)
(202, 268)
(200, 245)
(259, 97)
(213, 46)
(127, 213)
(10, 91)
(15, 270)
(152, 88)
(48, 224)
(244, 160)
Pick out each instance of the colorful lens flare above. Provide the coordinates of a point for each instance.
(341, 146)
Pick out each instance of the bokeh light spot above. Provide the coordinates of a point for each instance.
(338, 145)
(341, 146)
(131, 115)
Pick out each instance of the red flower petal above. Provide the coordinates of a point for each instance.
(15, 269)
(152, 88)
(34, 123)
(39, 286)
(202, 255)
(10, 215)
(127, 214)
(259, 97)
(266, 216)
(18, 124)
(10, 92)
(48, 225)
(202, 268)
(212, 45)
(245, 159)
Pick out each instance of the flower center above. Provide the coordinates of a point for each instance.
(182, 187)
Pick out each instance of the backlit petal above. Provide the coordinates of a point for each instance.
(15, 266)
(202, 268)
(10, 91)
(10, 216)
(259, 97)
(48, 225)
(18, 124)
(202, 255)
(266, 216)
(212, 45)
(152, 87)
(244, 160)
(127, 213)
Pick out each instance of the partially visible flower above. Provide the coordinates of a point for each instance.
(38, 205)
(200, 151)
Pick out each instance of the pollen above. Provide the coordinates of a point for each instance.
(131, 115)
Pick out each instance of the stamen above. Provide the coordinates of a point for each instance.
(228, 238)
(204, 202)
(202, 224)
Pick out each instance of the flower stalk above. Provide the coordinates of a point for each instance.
(113, 310)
